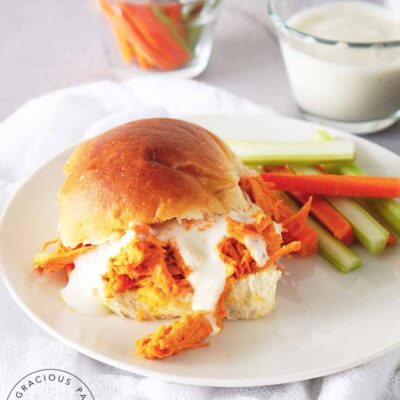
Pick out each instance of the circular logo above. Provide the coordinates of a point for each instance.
(48, 384)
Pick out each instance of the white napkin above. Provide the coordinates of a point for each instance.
(44, 127)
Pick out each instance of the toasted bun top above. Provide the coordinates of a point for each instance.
(146, 171)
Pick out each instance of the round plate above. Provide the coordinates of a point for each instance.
(324, 321)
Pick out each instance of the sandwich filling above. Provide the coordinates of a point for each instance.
(186, 264)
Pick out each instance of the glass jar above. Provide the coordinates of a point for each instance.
(353, 85)
(157, 36)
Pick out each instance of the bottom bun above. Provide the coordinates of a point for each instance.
(250, 297)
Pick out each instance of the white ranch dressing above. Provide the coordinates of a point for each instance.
(257, 249)
(254, 243)
(278, 227)
(198, 247)
(349, 21)
(85, 286)
(341, 82)
(199, 250)
(241, 217)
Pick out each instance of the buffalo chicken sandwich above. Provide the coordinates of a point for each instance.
(159, 219)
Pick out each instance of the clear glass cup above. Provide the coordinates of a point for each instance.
(169, 37)
(354, 86)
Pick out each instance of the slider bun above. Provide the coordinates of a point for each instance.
(146, 171)
(250, 297)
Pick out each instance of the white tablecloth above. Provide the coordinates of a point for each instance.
(47, 125)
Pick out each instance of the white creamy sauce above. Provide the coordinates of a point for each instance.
(254, 243)
(339, 82)
(85, 286)
(349, 21)
(198, 247)
(215, 328)
(199, 252)
(257, 248)
(278, 227)
(241, 217)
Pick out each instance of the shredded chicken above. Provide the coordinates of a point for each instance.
(147, 263)
(143, 263)
(273, 204)
(184, 334)
(262, 193)
(156, 270)
(237, 256)
(180, 335)
(62, 258)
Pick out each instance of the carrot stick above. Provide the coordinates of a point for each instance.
(142, 50)
(322, 211)
(162, 38)
(391, 239)
(328, 216)
(337, 185)
(133, 37)
(367, 229)
(174, 11)
(127, 51)
(107, 8)
(296, 228)
(170, 24)
(335, 252)
(142, 61)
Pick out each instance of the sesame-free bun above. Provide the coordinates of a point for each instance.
(250, 297)
(146, 171)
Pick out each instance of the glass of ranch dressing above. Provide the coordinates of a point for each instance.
(343, 60)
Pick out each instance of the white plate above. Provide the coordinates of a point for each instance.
(324, 321)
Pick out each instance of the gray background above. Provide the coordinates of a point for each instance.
(50, 44)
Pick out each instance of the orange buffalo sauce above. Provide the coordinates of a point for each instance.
(156, 271)
(62, 258)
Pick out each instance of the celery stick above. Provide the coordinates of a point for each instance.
(256, 167)
(367, 229)
(342, 168)
(305, 170)
(306, 152)
(334, 251)
(388, 209)
(367, 204)
(322, 135)
(345, 168)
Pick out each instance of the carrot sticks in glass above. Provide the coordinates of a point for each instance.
(149, 33)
